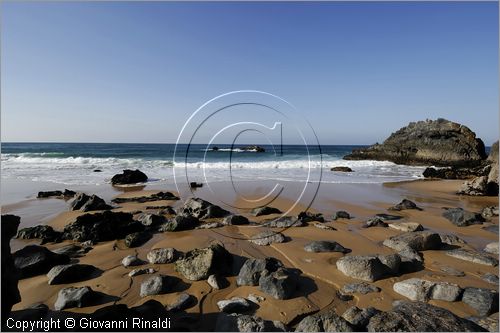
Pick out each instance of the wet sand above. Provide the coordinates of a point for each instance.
(320, 279)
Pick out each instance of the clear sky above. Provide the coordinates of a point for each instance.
(134, 72)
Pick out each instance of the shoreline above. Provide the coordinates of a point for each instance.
(319, 271)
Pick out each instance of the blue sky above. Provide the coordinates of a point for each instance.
(134, 72)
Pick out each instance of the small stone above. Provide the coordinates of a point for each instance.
(215, 281)
(234, 305)
(360, 287)
(280, 284)
(132, 260)
(452, 271)
(256, 298)
(445, 291)
(492, 248)
(325, 246)
(341, 215)
(324, 226)
(452, 240)
(414, 289)
(405, 204)
(267, 237)
(359, 317)
(375, 222)
(265, 211)
(141, 271)
(162, 256)
(183, 302)
(74, 297)
(235, 220)
(155, 285)
(407, 226)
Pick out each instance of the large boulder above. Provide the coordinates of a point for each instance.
(44, 232)
(252, 269)
(35, 260)
(245, 323)
(492, 188)
(71, 273)
(199, 264)
(431, 142)
(456, 172)
(419, 317)
(418, 241)
(10, 274)
(103, 226)
(324, 322)
(423, 290)
(87, 203)
(202, 209)
(129, 177)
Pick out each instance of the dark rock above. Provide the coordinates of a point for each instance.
(305, 217)
(35, 260)
(388, 217)
(472, 256)
(156, 285)
(359, 318)
(95, 203)
(341, 169)
(136, 239)
(151, 220)
(341, 215)
(265, 211)
(234, 305)
(168, 210)
(199, 264)
(153, 197)
(484, 301)
(129, 177)
(99, 227)
(359, 287)
(162, 256)
(73, 250)
(68, 193)
(267, 237)
(245, 323)
(456, 172)
(280, 284)
(418, 241)
(251, 270)
(391, 262)
(48, 194)
(97, 170)
(452, 240)
(180, 223)
(183, 302)
(235, 220)
(202, 209)
(10, 293)
(492, 187)
(257, 149)
(325, 246)
(432, 142)
(375, 222)
(215, 148)
(461, 217)
(195, 185)
(44, 232)
(419, 317)
(284, 222)
(405, 204)
(492, 228)
(71, 273)
(490, 278)
(324, 322)
(74, 297)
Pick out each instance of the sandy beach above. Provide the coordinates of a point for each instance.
(320, 280)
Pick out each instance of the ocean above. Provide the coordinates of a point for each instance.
(75, 163)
